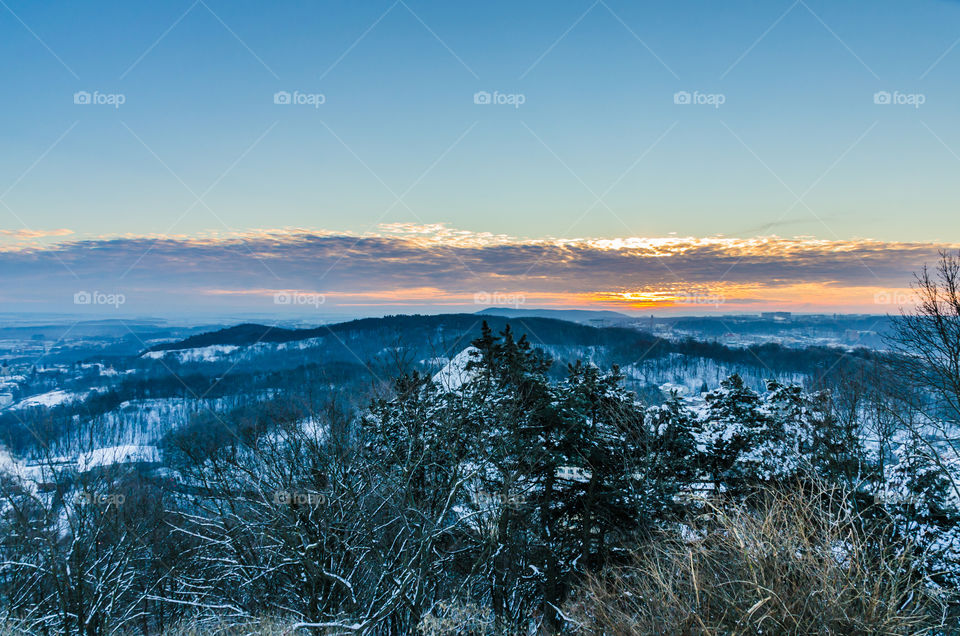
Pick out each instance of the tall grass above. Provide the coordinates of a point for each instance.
(789, 565)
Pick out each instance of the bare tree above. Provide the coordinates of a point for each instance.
(928, 341)
(325, 530)
(75, 550)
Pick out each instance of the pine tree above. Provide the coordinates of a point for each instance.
(510, 399)
(669, 456)
(781, 450)
(924, 504)
(598, 446)
(733, 425)
(570, 454)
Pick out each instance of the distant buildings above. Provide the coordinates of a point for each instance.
(778, 316)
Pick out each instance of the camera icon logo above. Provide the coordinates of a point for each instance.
(481, 97)
(282, 298)
(281, 97)
(681, 97)
(82, 298)
(81, 97)
(882, 97)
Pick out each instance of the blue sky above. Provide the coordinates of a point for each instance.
(598, 149)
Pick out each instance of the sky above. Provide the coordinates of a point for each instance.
(424, 155)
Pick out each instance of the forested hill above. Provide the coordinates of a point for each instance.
(450, 333)
(545, 331)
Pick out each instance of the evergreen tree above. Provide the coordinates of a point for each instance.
(926, 510)
(732, 428)
(781, 450)
(598, 449)
(509, 397)
(669, 454)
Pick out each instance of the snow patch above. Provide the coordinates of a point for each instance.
(48, 399)
(455, 374)
(129, 454)
(199, 354)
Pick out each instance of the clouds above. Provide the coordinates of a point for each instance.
(34, 234)
(435, 266)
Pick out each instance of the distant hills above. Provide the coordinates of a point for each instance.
(573, 315)
(419, 328)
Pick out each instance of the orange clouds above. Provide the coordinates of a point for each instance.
(419, 267)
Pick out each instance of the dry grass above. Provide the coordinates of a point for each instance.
(787, 568)
(264, 627)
